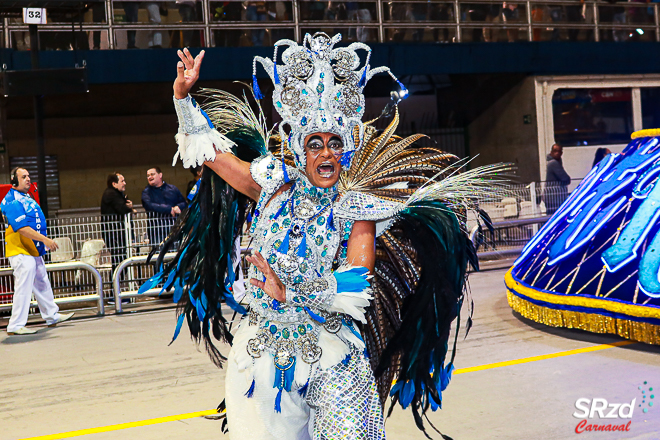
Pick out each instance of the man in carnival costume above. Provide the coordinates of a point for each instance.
(359, 259)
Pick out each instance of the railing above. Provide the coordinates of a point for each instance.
(119, 277)
(507, 238)
(209, 23)
(71, 286)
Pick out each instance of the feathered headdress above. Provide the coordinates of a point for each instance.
(318, 88)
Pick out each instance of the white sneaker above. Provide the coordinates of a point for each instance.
(22, 331)
(61, 318)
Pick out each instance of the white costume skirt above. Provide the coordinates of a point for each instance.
(341, 401)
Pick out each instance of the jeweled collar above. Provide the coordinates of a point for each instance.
(314, 192)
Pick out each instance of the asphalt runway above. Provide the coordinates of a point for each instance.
(116, 378)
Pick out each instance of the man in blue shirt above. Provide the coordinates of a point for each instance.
(163, 203)
(25, 245)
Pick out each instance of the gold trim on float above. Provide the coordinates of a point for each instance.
(591, 322)
(645, 133)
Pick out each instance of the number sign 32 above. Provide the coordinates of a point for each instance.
(34, 15)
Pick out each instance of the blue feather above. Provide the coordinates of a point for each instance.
(331, 221)
(352, 280)
(407, 393)
(314, 316)
(445, 376)
(255, 88)
(287, 179)
(231, 302)
(178, 290)
(250, 392)
(355, 332)
(278, 402)
(302, 249)
(168, 283)
(284, 247)
(201, 307)
(177, 330)
(150, 283)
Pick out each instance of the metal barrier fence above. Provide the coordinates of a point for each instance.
(127, 279)
(72, 282)
(210, 23)
(507, 238)
(89, 249)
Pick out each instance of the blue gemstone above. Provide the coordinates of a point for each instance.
(344, 243)
(304, 92)
(322, 74)
(303, 121)
(273, 329)
(359, 109)
(279, 104)
(256, 213)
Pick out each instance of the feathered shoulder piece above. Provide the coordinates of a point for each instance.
(418, 198)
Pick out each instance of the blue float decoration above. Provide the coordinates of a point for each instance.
(595, 265)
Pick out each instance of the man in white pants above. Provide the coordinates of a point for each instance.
(25, 245)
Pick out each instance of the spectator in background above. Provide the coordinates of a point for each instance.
(25, 245)
(155, 37)
(131, 9)
(114, 205)
(556, 180)
(187, 13)
(98, 16)
(163, 203)
(600, 155)
(256, 11)
(197, 174)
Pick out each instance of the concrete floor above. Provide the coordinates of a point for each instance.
(96, 372)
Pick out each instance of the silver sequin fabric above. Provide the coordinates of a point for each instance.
(346, 402)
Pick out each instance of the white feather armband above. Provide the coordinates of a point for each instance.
(198, 141)
(195, 149)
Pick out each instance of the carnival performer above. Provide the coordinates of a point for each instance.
(359, 259)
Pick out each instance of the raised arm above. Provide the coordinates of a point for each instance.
(198, 141)
(236, 173)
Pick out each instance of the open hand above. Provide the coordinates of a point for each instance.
(50, 244)
(187, 72)
(272, 285)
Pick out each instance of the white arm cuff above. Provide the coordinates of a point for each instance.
(198, 141)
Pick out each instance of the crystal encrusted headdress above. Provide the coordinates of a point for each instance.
(318, 88)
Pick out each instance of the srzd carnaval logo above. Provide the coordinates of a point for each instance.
(588, 408)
